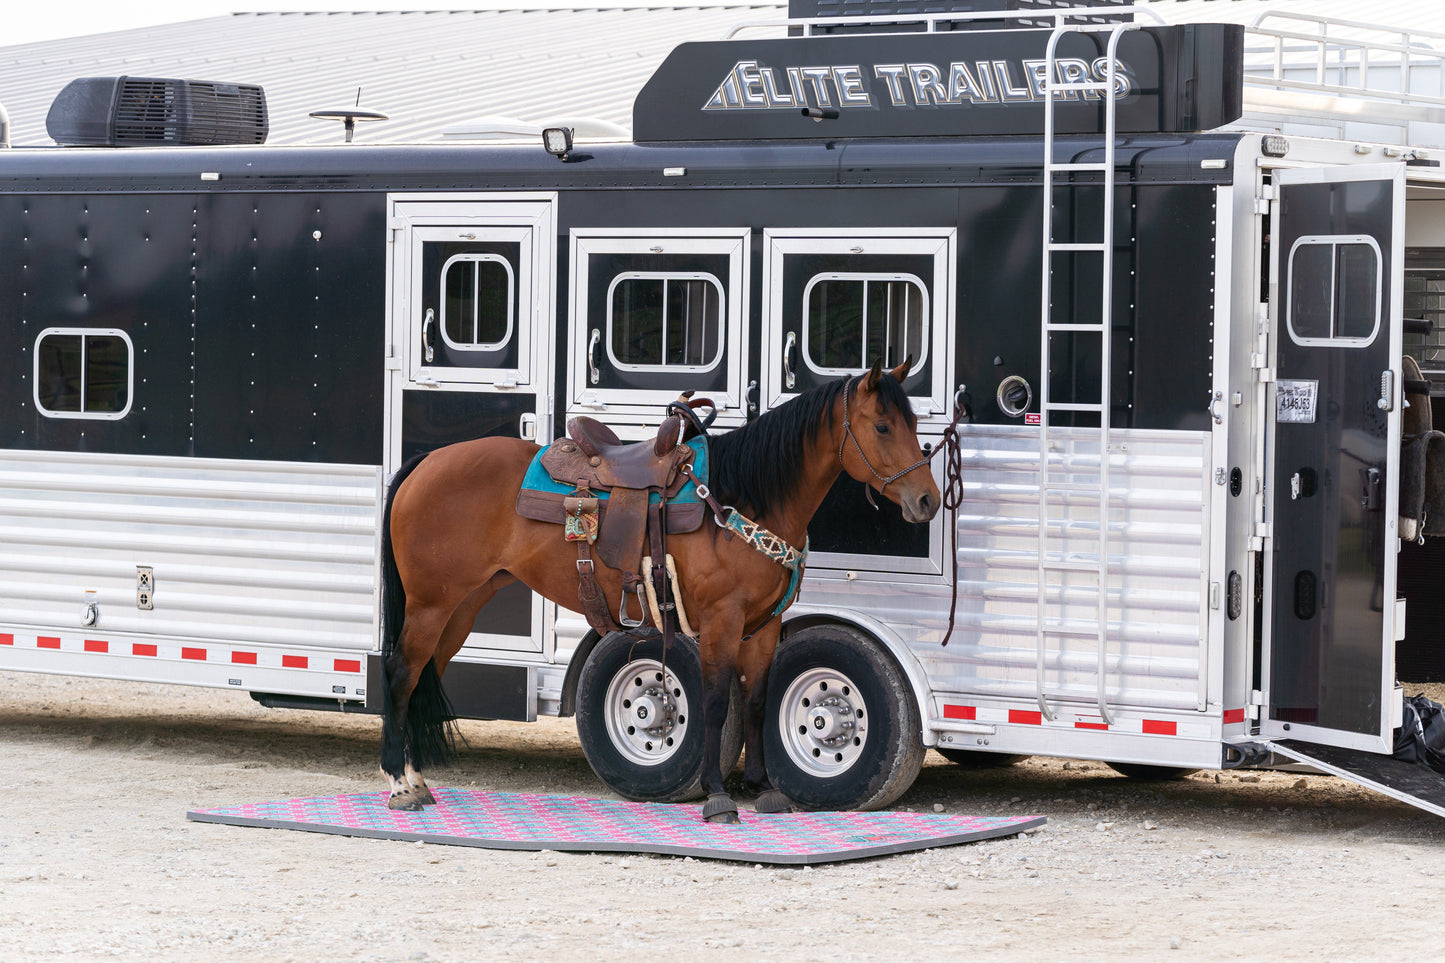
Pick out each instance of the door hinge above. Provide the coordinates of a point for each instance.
(1268, 192)
(1256, 702)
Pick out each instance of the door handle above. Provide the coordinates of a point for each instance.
(789, 379)
(592, 371)
(426, 324)
(1216, 415)
(528, 426)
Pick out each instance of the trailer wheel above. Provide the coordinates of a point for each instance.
(1144, 772)
(842, 730)
(641, 737)
(979, 758)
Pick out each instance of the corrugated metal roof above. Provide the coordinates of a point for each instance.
(431, 70)
(426, 70)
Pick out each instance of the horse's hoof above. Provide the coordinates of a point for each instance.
(424, 796)
(404, 801)
(720, 808)
(725, 819)
(772, 801)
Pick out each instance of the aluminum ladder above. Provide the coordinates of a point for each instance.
(1059, 494)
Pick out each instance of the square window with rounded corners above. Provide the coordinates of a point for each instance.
(84, 373)
(1335, 290)
(855, 318)
(477, 302)
(659, 321)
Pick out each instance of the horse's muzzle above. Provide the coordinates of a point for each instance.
(920, 508)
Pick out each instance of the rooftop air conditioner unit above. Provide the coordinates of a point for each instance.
(156, 112)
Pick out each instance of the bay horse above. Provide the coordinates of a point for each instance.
(452, 538)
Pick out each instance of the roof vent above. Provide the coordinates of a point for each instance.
(155, 112)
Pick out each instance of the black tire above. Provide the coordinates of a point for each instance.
(1144, 772)
(842, 727)
(979, 759)
(662, 764)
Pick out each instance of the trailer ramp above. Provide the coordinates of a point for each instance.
(1406, 781)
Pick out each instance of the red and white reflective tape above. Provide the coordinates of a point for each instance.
(1033, 717)
(265, 658)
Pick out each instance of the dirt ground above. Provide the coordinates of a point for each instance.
(97, 860)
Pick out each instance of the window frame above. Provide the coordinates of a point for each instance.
(474, 258)
(84, 334)
(865, 277)
(1334, 242)
(666, 276)
(638, 403)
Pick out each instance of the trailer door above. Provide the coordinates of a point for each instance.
(471, 316)
(1337, 287)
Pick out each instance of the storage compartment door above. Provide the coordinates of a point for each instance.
(1338, 247)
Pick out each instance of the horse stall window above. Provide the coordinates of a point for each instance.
(658, 321)
(1335, 290)
(654, 312)
(478, 294)
(84, 373)
(853, 319)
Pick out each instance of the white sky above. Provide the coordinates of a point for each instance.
(26, 21)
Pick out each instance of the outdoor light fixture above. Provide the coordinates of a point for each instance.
(557, 141)
(1274, 146)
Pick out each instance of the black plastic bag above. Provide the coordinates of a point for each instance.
(1421, 736)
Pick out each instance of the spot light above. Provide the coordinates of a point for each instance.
(557, 141)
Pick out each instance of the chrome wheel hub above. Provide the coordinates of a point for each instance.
(646, 714)
(824, 722)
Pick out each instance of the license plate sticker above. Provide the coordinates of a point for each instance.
(1295, 401)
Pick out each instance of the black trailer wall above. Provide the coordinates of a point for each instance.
(253, 337)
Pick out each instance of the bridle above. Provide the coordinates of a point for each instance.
(848, 435)
(953, 478)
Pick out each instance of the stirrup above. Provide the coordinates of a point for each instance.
(622, 618)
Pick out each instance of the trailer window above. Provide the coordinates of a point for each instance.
(854, 319)
(478, 300)
(83, 373)
(1334, 290)
(659, 320)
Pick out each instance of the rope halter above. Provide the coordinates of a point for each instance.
(848, 434)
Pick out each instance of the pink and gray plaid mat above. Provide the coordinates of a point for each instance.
(530, 821)
(506, 820)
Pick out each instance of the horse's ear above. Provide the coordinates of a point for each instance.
(870, 380)
(901, 372)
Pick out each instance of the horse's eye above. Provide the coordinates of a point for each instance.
(882, 428)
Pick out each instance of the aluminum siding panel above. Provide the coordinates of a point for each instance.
(252, 552)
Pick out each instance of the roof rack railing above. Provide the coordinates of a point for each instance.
(928, 22)
(1299, 65)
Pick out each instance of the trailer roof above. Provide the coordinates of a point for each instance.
(542, 63)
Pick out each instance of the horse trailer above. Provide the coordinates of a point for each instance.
(1175, 538)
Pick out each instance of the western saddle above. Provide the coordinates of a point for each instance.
(639, 479)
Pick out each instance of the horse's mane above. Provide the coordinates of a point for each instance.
(758, 465)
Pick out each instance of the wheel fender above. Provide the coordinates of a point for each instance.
(568, 704)
(801, 616)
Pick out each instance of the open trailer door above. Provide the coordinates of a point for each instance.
(1329, 660)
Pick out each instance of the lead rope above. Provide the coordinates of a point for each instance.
(952, 498)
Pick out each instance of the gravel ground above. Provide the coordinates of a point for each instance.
(97, 860)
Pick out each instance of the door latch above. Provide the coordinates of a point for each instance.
(1387, 390)
(1372, 480)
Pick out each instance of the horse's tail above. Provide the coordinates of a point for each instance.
(428, 730)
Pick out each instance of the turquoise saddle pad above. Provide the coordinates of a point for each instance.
(538, 480)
